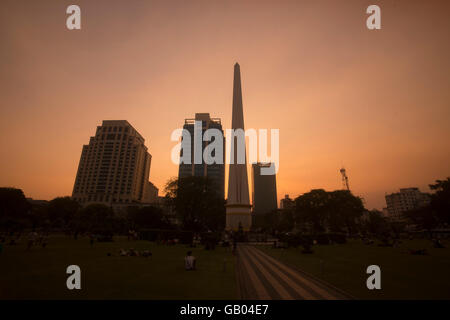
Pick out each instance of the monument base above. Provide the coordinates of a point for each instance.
(238, 214)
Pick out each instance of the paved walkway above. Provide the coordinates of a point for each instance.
(262, 277)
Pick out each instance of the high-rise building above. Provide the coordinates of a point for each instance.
(151, 193)
(405, 200)
(114, 167)
(215, 172)
(238, 207)
(264, 190)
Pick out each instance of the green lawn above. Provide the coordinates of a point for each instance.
(41, 273)
(403, 276)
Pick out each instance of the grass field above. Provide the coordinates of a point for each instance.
(403, 276)
(41, 273)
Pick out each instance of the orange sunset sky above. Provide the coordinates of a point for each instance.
(377, 102)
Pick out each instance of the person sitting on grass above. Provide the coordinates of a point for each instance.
(133, 253)
(189, 261)
(146, 254)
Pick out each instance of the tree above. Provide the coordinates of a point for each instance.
(322, 211)
(345, 209)
(440, 200)
(286, 220)
(376, 224)
(311, 209)
(96, 218)
(437, 212)
(61, 211)
(267, 222)
(148, 217)
(39, 216)
(197, 203)
(14, 208)
(423, 217)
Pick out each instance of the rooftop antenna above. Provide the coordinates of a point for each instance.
(344, 179)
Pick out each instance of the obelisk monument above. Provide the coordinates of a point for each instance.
(238, 207)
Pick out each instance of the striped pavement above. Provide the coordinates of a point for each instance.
(261, 277)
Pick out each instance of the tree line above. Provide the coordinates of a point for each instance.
(320, 211)
(64, 214)
(194, 200)
(198, 208)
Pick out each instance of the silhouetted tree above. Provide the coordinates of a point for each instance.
(376, 224)
(312, 209)
(197, 203)
(440, 200)
(148, 217)
(61, 211)
(437, 212)
(262, 222)
(39, 216)
(286, 220)
(422, 217)
(96, 218)
(14, 209)
(335, 211)
(345, 209)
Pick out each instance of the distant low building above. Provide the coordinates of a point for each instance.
(286, 202)
(37, 202)
(407, 199)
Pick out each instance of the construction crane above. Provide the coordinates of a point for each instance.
(344, 179)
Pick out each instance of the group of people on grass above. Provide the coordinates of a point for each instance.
(37, 239)
(33, 239)
(189, 259)
(134, 253)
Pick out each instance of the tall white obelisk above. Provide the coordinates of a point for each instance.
(238, 207)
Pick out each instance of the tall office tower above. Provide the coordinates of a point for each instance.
(215, 171)
(264, 190)
(405, 200)
(238, 207)
(114, 167)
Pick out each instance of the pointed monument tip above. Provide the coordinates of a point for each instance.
(236, 65)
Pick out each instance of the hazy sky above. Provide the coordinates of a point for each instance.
(377, 102)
